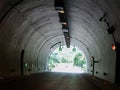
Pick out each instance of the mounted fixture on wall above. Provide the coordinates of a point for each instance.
(74, 49)
(25, 65)
(60, 48)
(110, 29)
(58, 44)
(93, 64)
(113, 47)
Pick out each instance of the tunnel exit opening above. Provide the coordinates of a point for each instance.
(68, 60)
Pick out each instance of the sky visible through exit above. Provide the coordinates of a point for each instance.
(69, 60)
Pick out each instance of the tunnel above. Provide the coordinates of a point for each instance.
(30, 28)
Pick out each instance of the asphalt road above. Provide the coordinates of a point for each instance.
(55, 81)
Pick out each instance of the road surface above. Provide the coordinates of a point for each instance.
(55, 81)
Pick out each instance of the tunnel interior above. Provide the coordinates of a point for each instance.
(29, 28)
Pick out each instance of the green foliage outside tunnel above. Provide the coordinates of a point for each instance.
(67, 56)
(79, 60)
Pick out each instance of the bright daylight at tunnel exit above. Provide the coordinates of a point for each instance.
(68, 60)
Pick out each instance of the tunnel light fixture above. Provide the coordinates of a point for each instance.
(64, 23)
(113, 47)
(60, 8)
(60, 11)
(64, 26)
(26, 65)
(60, 48)
(74, 49)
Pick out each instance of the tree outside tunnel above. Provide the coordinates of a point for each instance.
(67, 60)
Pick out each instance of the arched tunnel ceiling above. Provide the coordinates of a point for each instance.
(33, 26)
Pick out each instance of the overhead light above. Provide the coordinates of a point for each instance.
(64, 23)
(113, 47)
(60, 8)
(64, 26)
(60, 11)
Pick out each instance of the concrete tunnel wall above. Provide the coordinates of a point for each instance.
(33, 26)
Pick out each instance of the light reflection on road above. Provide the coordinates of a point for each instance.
(68, 68)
